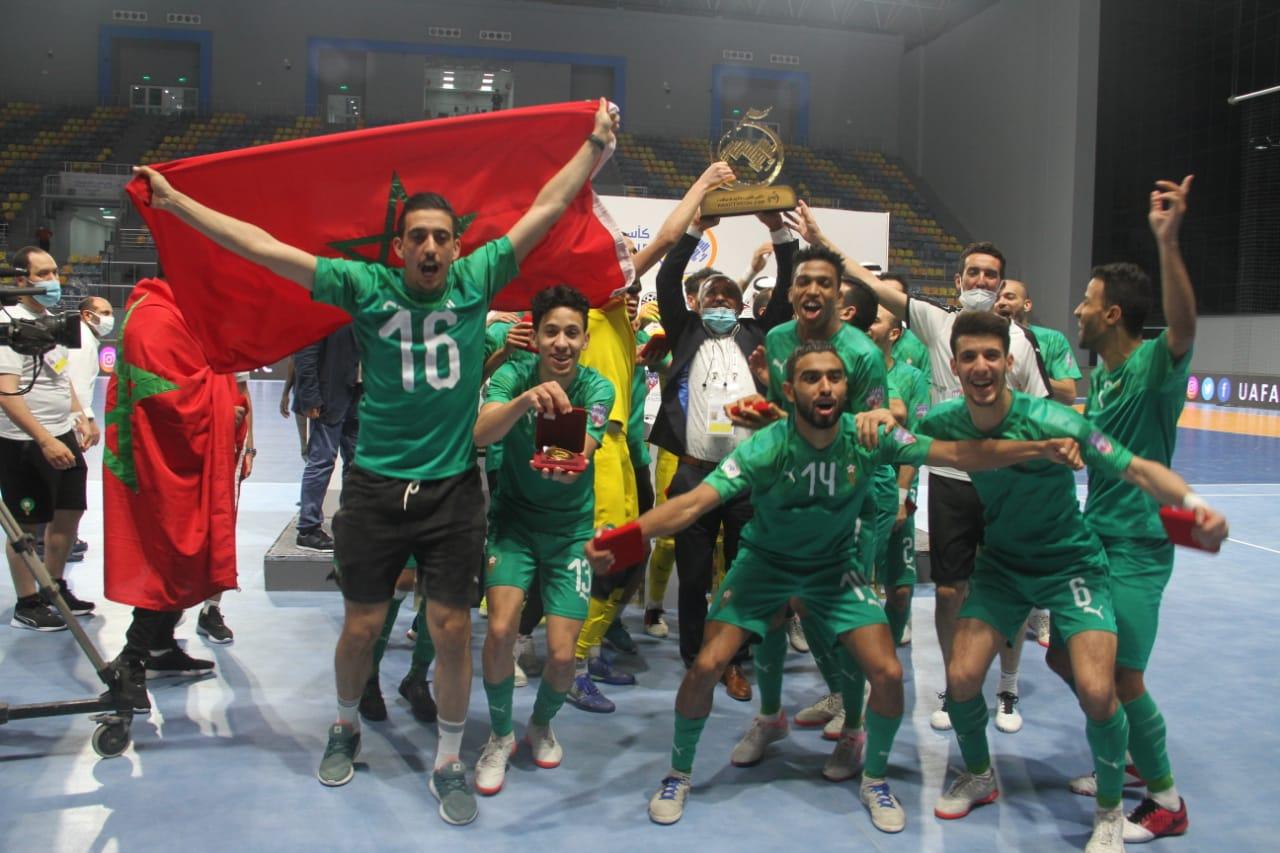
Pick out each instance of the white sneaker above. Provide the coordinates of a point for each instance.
(1008, 720)
(522, 680)
(795, 635)
(1038, 627)
(1108, 832)
(491, 769)
(820, 712)
(887, 814)
(940, 720)
(835, 726)
(846, 761)
(967, 792)
(547, 752)
(750, 750)
(655, 623)
(906, 635)
(1087, 786)
(667, 804)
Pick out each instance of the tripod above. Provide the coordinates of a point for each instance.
(113, 712)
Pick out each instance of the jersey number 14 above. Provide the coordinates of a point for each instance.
(436, 347)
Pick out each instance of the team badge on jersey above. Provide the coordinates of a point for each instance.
(876, 398)
(851, 472)
(922, 410)
(731, 469)
(1100, 442)
(901, 436)
(598, 415)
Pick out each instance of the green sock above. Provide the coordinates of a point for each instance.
(424, 651)
(969, 719)
(685, 743)
(769, 659)
(500, 697)
(823, 648)
(380, 647)
(1107, 741)
(899, 619)
(853, 685)
(880, 734)
(547, 704)
(1147, 743)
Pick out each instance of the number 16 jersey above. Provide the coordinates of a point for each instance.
(422, 358)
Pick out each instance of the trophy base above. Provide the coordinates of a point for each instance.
(741, 202)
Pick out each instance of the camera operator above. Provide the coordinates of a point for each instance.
(42, 434)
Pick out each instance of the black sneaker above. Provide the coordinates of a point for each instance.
(133, 683)
(80, 547)
(78, 606)
(175, 662)
(211, 626)
(372, 706)
(315, 540)
(34, 615)
(417, 690)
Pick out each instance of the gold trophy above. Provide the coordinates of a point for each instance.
(754, 152)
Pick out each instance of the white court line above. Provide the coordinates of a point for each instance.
(1251, 545)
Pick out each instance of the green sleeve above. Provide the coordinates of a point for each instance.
(506, 383)
(917, 399)
(598, 403)
(1162, 371)
(875, 381)
(495, 338)
(894, 381)
(899, 447)
(491, 267)
(746, 464)
(1099, 450)
(344, 284)
(1056, 351)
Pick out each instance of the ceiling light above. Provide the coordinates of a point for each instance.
(446, 85)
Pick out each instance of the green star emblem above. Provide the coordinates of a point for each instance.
(133, 384)
(351, 249)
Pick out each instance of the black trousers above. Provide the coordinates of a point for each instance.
(150, 630)
(695, 549)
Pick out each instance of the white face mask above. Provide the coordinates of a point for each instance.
(977, 299)
(105, 325)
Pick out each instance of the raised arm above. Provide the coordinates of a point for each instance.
(248, 241)
(556, 194)
(805, 223)
(679, 220)
(1168, 204)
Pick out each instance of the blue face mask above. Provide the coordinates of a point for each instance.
(719, 321)
(52, 294)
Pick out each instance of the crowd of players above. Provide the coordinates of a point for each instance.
(789, 439)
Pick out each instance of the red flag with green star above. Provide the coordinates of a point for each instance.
(340, 195)
(169, 462)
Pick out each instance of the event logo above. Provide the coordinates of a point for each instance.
(1206, 389)
(705, 253)
(598, 415)
(1100, 442)
(107, 359)
(730, 469)
(1224, 390)
(1193, 387)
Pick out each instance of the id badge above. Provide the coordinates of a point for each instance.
(57, 363)
(718, 423)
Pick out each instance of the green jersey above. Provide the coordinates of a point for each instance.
(911, 350)
(910, 385)
(863, 362)
(637, 447)
(1055, 351)
(422, 359)
(806, 501)
(495, 338)
(1139, 402)
(1032, 516)
(523, 493)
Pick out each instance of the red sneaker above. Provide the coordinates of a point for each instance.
(1150, 821)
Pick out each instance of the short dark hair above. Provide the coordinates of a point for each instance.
(862, 299)
(899, 277)
(809, 348)
(559, 296)
(86, 304)
(1128, 286)
(980, 324)
(819, 253)
(982, 248)
(22, 260)
(693, 282)
(428, 201)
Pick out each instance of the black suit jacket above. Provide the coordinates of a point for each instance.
(325, 375)
(686, 333)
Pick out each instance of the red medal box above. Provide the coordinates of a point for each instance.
(625, 542)
(655, 348)
(1178, 524)
(562, 440)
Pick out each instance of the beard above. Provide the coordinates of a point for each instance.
(816, 419)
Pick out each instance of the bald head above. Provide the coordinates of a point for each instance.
(1012, 302)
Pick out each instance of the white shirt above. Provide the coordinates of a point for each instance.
(718, 374)
(50, 398)
(82, 366)
(932, 324)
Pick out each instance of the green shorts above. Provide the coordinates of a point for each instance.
(755, 589)
(1079, 598)
(865, 534)
(900, 555)
(517, 553)
(1140, 570)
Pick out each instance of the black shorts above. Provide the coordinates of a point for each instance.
(955, 528)
(383, 521)
(603, 586)
(32, 488)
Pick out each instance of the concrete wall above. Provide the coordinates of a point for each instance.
(853, 77)
(999, 116)
(1238, 345)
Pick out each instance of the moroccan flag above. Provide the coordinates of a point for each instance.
(169, 462)
(340, 196)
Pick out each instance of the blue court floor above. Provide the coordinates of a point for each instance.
(228, 762)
